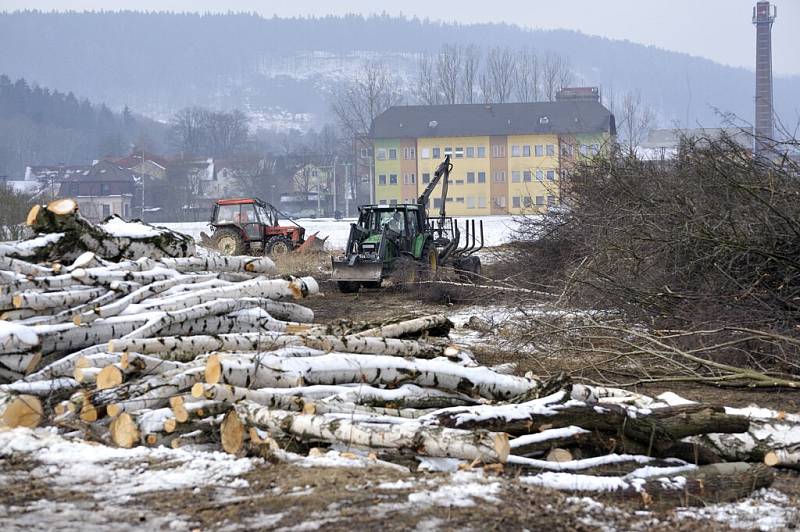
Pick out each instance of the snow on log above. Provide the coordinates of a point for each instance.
(269, 371)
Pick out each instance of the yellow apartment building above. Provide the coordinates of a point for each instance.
(507, 158)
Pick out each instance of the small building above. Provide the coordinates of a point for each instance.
(663, 144)
(508, 158)
(101, 190)
(48, 179)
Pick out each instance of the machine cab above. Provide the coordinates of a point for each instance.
(400, 223)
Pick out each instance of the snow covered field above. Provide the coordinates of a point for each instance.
(497, 230)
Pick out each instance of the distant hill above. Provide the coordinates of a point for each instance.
(40, 126)
(282, 70)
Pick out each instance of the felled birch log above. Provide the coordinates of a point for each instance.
(437, 325)
(487, 447)
(220, 263)
(269, 371)
(161, 388)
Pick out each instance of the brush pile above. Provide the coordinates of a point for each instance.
(203, 353)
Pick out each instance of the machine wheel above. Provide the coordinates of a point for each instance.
(229, 242)
(348, 287)
(429, 261)
(279, 245)
(468, 268)
(372, 284)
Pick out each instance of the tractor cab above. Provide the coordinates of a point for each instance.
(397, 226)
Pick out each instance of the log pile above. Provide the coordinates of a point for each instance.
(206, 353)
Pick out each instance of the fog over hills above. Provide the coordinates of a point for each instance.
(281, 71)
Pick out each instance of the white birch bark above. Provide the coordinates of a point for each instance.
(487, 447)
(220, 263)
(409, 327)
(71, 298)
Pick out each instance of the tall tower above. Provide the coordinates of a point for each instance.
(764, 15)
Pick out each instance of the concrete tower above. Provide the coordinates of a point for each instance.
(763, 17)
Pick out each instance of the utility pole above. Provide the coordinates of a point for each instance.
(347, 190)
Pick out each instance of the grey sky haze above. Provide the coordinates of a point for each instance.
(716, 29)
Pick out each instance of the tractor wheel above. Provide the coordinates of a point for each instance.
(348, 287)
(372, 284)
(428, 262)
(279, 245)
(229, 241)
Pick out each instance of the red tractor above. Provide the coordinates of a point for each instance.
(247, 226)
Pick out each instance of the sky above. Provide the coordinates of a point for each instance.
(719, 30)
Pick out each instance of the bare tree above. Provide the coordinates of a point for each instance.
(427, 89)
(636, 118)
(187, 129)
(526, 76)
(498, 75)
(12, 215)
(225, 134)
(448, 71)
(471, 63)
(359, 101)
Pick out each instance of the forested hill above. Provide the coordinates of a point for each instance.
(40, 126)
(160, 62)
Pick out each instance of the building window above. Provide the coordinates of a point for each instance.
(425, 153)
(459, 153)
(481, 152)
(516, 176)
(382, 179)
(539, 200)
(551, 150)
(106, 211)
(382, 202)
(459, 200)
(566, 150)
(426, 178)
(437, 153)
(526, 201)
(564, 173)
(515, 202)
(126, 211)
(470, 202)
(104, 189)
(392, 154)
(539, 175)
(499, 176)
(409, 179)
(526, 176)
(498, 150)
(551, 175)
(481, 177)
(481, 202)
(539, 150)
(516, 151)
(392, 179)
(470, 152)
(499, 201)
(551, 201)
(584, 149)
(459, 182)
(381, 154)
(470, 177)
(448, 150)
(526, 151)
(364, 153)
(437, 203)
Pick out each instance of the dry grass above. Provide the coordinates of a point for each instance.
(300, 264)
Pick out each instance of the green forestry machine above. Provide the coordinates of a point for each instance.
(402, 241)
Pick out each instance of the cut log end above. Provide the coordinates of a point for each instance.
(198, 390)
(109, 377)
(771, 459)
(559, 455)
(23, 411)
(63, 206)
(213, 369)
(502, 447)
(17, 301)
(114, 410)
(124, 432)
(89, 414)
(170, 425)
(32, 215)
(232, 431)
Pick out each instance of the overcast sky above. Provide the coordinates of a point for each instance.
(720, 30)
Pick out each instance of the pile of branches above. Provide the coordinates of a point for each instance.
(201, 353)
(701, 249)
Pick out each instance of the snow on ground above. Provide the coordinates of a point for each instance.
(497, 230)
(767, 509)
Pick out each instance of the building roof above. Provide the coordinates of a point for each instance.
(463, 120)
(53, 173)
(135, 158)
(103, 171)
